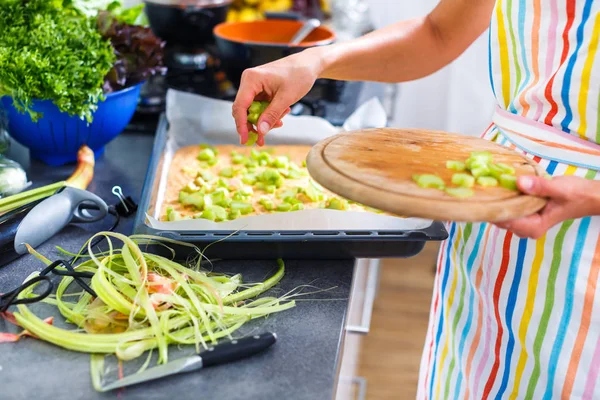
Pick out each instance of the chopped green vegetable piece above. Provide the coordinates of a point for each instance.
(292, 200)
(481, 171)
(221, 183)
(191, 187)
(206, 155)
(484, 156)
(206, 175)
(226, 172)
(255, 107)
(254, 154)
(238, 159)
(237, 196)
(249, 179)
(247, 191)
(495, 171)
(508, 181)
(234, 214)
(189, 171)
(267, 203)
(244, 208)
(429, 181)
(463, 180)
(214, 213)
(507, 169)
(270, 188)
(460, 192)
(297, 207)
(304, 163)
(252, 136)
(487, 181)
(456, 165)
(292, 174)
(281, 162)
(173, 215)
(194, 199)
(212, 162)
(288, 193)
(271, 176)
(337, 204)
(284, 207)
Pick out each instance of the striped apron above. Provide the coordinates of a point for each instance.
(517, 318)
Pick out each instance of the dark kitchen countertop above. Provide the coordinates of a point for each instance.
(302, 365)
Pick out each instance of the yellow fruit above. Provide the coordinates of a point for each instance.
(249, 14)
(232, 16)
(252, 2)
(276, 5)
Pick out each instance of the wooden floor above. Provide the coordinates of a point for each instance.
(391, 352)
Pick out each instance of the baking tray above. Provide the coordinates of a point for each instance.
(268, 244)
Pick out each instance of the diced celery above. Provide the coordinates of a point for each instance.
(267, 203)
(254, 154)
(238, 159)
(297, 207)
(337, 204)
(507, 169)
(249, 179)
(508, 181)
(460, 192)
(429, 181)
(237, 196)
(234, 214)
(221, 183)
(270, 188)
(253, 119)
(255, 107)
(487, 181)
(226, 172)
(212, 162)
(495, 171)
(284, 207)
(247, 191)
(271, 176)
(252, 136)
(173, 215)
(288, 193)
(304, 163)
(214, 213)
(194, 199)
(293, 174)
(292, 200)
(463, 180)
(280, 162)
(206, 175)
(206, 155)
(455, 165)
(480, 171)
(189, 171)
(284, 172)
(191, 187)
(244, 208)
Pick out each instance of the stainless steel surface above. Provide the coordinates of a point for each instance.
(187, 364)
(366, 279)
(306, 29)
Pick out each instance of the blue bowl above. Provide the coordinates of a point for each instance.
(56, 138)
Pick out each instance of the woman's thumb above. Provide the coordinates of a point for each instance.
(538, 186)
(271, 116)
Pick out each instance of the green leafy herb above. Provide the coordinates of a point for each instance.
(49, 52)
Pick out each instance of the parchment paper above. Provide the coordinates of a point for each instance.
(195, 119)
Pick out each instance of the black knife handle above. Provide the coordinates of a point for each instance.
(237, 349)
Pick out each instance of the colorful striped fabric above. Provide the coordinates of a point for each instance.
(515, 318)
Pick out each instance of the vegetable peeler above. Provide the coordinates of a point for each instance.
(35, 223)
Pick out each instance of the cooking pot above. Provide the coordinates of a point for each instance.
(186, 22)
(243, 45)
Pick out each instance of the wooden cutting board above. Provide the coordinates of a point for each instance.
(375, 167)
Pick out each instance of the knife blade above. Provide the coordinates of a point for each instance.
(220, 354)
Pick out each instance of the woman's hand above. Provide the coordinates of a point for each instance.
(569, 197)
(283, 83)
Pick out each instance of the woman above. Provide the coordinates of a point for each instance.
(515, 310)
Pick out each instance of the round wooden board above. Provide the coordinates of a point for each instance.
(374, 167)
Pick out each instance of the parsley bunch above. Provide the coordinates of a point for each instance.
(50, 52)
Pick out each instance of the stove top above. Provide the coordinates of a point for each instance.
(198, 71)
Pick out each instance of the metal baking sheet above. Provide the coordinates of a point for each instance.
(193, 119)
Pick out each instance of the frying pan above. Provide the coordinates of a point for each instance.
(186, 22)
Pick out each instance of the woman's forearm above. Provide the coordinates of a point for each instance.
(410, 49)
